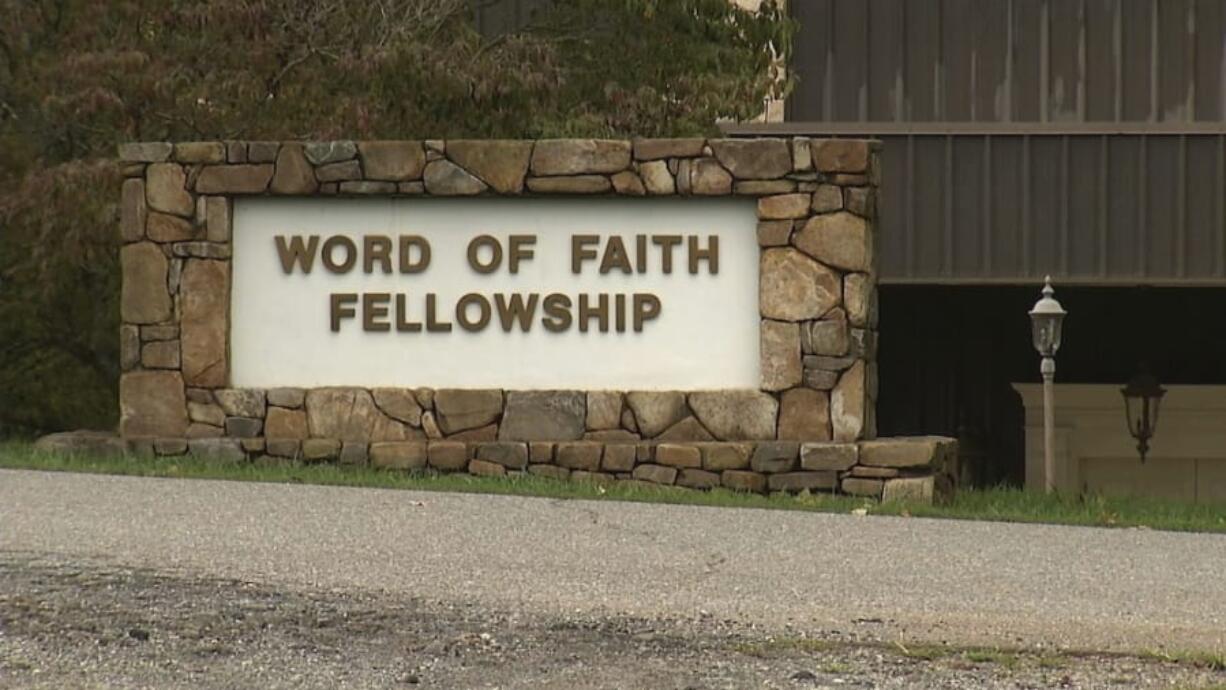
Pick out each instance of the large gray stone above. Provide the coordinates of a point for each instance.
(241, 402)
(736, 415)
(793, 287)
(458, 410)
(223, 449)
(500, 163)
(580, 156)
(774, 456)
(444, 178)
(655, 411)
(543, 416)
(754, 159)
(294, 175)
(829, 336)
(510, 455)
(321, 152)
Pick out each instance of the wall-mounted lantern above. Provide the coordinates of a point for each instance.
(1142, 397)
(1046, 321)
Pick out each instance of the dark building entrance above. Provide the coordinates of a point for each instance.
(949, 354)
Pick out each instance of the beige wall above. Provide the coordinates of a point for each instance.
(1095, 453)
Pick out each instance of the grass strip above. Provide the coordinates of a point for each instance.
(995, 504)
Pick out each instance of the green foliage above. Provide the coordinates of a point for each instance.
(77, 77)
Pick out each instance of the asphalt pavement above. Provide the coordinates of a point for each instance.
(884, 578)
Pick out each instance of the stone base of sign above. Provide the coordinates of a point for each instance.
(920, 469)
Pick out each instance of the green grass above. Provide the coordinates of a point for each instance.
(1207, 660)
(1000, 504)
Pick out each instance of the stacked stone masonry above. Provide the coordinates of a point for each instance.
(816, 203)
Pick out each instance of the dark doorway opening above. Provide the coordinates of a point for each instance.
(948, 355)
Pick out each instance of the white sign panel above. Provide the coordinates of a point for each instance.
(588, 294)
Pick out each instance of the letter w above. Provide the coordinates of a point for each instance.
(296, 253)
(514, 309)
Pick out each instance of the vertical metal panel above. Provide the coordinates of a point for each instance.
(1010, 60)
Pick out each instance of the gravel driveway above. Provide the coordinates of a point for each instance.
(126, 582)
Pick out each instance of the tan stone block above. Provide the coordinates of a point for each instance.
(200, 152)
(686, 430)
(780, 354)
(773, 457)
(129, 347)
(828, 456)
(840, 155)
(579, 455)
(145, 151)
(234, 179)
(262, 151)
(612, 436)
(604, 409)
(859, 486)
(244, 427)
(444, 178)
(482, 468)
(653, 149)
(502, 164)
(628, 183)
(874, 472)
(802, 481)
(911, 489)
(580, 156)
(152, 403)
(206, 413)
(447, 456)
(827, 199)
(656, 411)
(576, 184)
(253, 445)
(862, 201)
(367, 187)
(394, 161)
(143, 297)
(321, 449)
(675, 455)
(399, 404)
(543, 416)
(829, 337)
(201, 430)
(802, 154)
(341, 171)
(458, 410)
(708, 178)
(763, 187)
(350, 414)
(656, 474)
(160, 355)
(657, 179)
(774, 233)
(294, 174)
(804, 415)
(741, 480)
(286, 397)
(908, 452)
(726, 456)
(618, 457)
(205, 289)
(132, 211)
(353, 453)
(842, 240)
(217, 220)
(736, 415)
(158, 333)
(540, 451)
(323, 152)
(283, 447)
(170, 446)
(398, 455)
(505, 453)
(163, 227)
(858, 298)
(549, 471)
(847, 404)
(781, 206)
(754, 159)
(283, 423)
(793, 287)
(166, 189)
(697, 479)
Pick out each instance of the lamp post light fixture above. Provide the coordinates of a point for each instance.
(1046, 321)
(1142, 396)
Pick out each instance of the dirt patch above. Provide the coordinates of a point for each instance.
(66, 625)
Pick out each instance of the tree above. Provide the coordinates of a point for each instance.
(77, 77)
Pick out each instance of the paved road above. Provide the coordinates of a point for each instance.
(880, 577)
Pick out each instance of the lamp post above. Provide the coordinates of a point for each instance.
(1046, 319)
(1142, 396)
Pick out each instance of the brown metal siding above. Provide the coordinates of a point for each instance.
(1009, 61)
